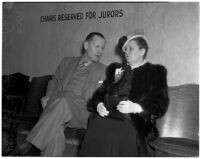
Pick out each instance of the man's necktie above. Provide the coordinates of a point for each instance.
(83, 64)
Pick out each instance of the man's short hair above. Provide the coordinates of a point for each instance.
(92, 34)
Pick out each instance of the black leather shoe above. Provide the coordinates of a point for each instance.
(27, 149)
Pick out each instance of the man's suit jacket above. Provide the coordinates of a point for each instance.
(64, 72)
(62, 107)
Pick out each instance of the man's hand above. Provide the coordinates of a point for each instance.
(129, 107)
(101, 109)
(44, 101)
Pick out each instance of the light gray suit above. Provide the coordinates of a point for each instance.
(65, 106)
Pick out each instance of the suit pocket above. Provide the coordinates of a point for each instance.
(89, 89)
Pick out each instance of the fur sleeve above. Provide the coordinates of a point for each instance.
(156, 101)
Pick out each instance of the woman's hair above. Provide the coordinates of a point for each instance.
(90, 37)
(141, 42)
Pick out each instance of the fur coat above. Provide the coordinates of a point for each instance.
(145, 85)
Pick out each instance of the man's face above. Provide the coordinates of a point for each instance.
(94, 48)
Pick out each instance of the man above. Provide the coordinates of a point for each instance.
(74, 82)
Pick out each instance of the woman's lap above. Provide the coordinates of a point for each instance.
(109, 137)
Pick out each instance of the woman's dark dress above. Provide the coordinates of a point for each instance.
(109, 137)
(117, 134)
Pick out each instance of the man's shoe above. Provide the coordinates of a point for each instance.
(27, 149)
(24, 148)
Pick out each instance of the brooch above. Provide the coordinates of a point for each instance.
(118, 74)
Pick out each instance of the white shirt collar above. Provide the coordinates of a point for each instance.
(85, 61)
(133, 67)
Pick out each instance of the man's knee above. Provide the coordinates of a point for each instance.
(58, 105)
(62, 102)
(63, 106)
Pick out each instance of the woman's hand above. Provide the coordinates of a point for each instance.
(101, 109)
(129, 107)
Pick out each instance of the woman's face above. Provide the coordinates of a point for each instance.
(133, 54)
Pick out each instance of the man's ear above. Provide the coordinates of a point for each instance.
(85, 45)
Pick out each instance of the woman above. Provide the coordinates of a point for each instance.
(129, 101)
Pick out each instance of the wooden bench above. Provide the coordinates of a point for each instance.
(179, 128)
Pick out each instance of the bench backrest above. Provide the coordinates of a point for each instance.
(182, 117)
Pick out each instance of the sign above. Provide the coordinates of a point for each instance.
(81, 16)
